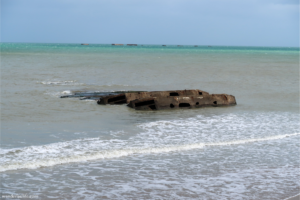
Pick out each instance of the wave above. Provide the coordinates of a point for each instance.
(215, 128)
(71, 82)
(74, 83)
(58, 94)
(94, 148)
(116, 85)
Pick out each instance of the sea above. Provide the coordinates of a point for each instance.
(67, 148)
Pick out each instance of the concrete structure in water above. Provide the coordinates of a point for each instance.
(175, 99)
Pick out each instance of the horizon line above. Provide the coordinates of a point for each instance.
(125, 44)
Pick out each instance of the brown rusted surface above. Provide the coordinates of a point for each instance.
(130, 96)
(173, 99)
(182, 102)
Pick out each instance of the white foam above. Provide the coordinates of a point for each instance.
(290, 198)
(227, 127)
(93, 148)
(66, 92)
(115, 85)
(159, 137)
(57, 82)
(252, 140)
(58, 94)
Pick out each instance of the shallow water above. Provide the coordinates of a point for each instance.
(73, 149)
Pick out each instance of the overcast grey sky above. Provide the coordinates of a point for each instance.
(202, 22)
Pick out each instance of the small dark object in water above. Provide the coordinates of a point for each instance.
(131, 44)
(84, 44)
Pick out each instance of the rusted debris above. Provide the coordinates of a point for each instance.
(130, 96)
(159, 100)
(183, 102)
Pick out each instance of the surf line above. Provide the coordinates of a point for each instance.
(252, 140)
(113, 153)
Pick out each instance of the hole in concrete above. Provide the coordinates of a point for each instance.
(181, 105)
(171, 105)
(144, 103)
(174, 94)
(200, 93)
(153, 107)
(197, 103)
(119, 98)
(215, 102)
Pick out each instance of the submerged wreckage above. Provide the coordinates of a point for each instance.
(160, 100)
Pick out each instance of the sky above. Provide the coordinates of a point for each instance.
(178, 22)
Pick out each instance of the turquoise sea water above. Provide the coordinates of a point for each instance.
(108, 48)
(73, 149)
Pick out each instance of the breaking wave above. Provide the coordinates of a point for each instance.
(93, 148)
(71, 82)
(58, 94)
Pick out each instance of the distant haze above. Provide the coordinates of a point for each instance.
(184, 22)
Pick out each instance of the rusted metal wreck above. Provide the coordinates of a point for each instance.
(158, 100)
(162, 100)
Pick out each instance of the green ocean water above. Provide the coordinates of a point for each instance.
(141, 48)
(73, 149)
